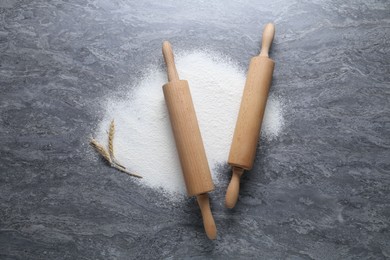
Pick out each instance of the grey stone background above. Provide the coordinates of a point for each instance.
(319, 191)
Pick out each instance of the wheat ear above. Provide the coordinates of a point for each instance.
(111, 134)
(111, 138)
(101, 150)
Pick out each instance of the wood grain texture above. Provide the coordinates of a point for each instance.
(250, 117)
(233, 188)
(266, 40)
(188, 139)
(169, 61)
(208, 220)
(185, 128)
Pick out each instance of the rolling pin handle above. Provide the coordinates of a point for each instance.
(268, 36)
(234, 188)
(169, 61)
(208, 220)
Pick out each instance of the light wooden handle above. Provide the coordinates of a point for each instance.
(268, 36)
(234, 188)
(169, 61)
(208, 220)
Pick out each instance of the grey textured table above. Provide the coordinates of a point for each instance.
(318, 191)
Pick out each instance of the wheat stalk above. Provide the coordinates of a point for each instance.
(101, 150)
(111, 133)
(122, 169)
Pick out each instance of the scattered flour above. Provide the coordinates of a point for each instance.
(144, 141)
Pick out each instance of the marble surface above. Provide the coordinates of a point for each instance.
(321, 190)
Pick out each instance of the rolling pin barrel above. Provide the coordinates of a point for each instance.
(246, 134)
(188, 141)
(250, 116)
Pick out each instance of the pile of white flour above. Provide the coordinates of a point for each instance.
(144, 142)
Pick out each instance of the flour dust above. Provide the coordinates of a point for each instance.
(144, 142)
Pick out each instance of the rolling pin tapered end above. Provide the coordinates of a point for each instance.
(233, 188)
(208, 220)
(169, 61)
(267, 38)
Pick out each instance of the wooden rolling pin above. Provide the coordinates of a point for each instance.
(188, 140)
(247, 131)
